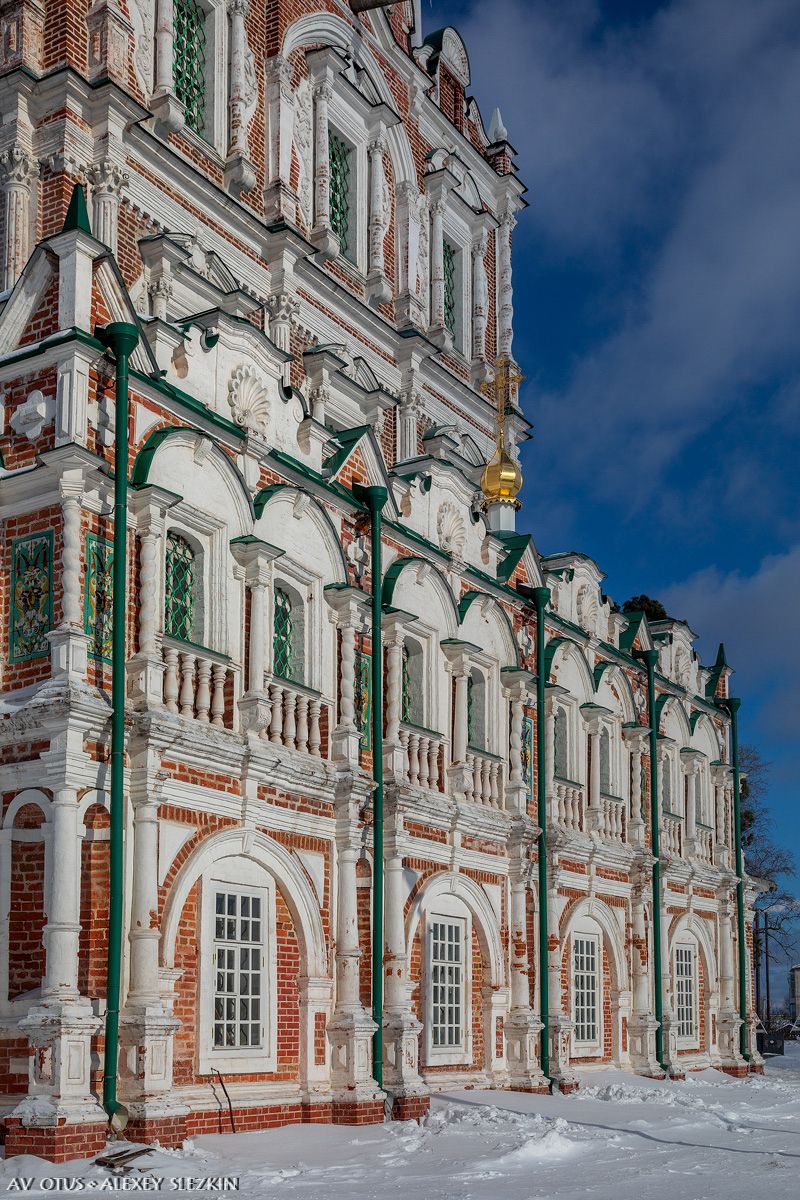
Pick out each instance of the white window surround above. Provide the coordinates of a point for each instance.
(587, 934)
(449, 910)
(246, 878)
(685, 977)
(495, 714)
(459, 233)
(215, 135)
(291, 576)
(356, 253)
(214, 566)
(426, 637)
(576, 740)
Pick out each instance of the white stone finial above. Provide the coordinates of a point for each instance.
(497, 130)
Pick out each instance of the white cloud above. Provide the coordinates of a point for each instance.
(753, 616)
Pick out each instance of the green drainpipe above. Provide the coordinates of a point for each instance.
(375, 498)
(541, 596)
(733, 704)
(650, 658)
(121, 339)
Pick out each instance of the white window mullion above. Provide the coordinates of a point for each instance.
(238, 960)
(447, 991)
(586, 990)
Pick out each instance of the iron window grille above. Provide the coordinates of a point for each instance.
(684, 991)
(180, 588)
(283, 635)
(585, 988)
(340, 168)
(447, 984)
(406, 701)
(238, 961)
(449, 265)
(189, 62)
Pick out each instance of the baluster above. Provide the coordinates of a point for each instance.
(477, 783)
(314, 736)
(494, 794)
(203, 689)
(276, 722)
(404, 739)
(469, 791)
(219, 673)
(422, 755)
(289, 723)
(433, 765)
(187, 684)
(302, 723)
(171, 688)
(486, 789)
(413, 757)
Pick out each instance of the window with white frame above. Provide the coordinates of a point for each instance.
(199, 66)
(343, 199)
(183, 585)
(288, 633)
(447, 994)
(605, 761)
(666, 784)
(586, 992)
(451, 266)
(413, 693)
(560, 756)
(237, 993)
(686, 992)
(476, 710)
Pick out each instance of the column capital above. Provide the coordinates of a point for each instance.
(256, 557)
(594, 716)
(107, 177)
(636, 736)
(17, 166)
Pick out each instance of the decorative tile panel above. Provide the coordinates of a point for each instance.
(98, 596)
(31, 616)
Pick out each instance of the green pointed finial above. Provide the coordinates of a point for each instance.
(721, 659)
(77, 215)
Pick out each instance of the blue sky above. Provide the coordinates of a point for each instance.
(657, 312)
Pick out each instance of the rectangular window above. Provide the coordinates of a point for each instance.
(585, 982)
(685, 991)
(362, 698)
(31, 615)
(449, 264)
(340, 157)
(238, 961)
(189, 62)
(447, 984)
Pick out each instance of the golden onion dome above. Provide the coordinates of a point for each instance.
(502, 478)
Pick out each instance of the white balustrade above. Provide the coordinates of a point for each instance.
(703, 844)
(485, 782)
(671, 835)
(295, 717)
(569, 805)
(194, 683)
(614, 818)
(424, 756)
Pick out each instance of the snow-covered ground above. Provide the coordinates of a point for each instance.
(622, 1137)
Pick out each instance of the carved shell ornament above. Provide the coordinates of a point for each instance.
(248, 398)
(451, 530)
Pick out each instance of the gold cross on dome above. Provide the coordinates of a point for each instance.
(507, 376)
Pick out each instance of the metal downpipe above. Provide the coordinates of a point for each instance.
(541, 596)
(375, 498)
(733, 704)
(121, 339)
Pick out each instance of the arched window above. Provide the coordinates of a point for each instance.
(560, 747)
(413, 700)
(686, 991)
(476, 710)
(605, 762)
(288, 634)
(190, 62)
(180, 591)
(666, 784)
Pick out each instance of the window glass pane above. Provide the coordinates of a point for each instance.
(446, 984)
(586, 988)
(236, 1010)
(339, 155)
(449, 263)
(189, 62)
(282, 635)
(685, 991)
(180, 588)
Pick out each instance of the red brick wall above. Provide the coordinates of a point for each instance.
(26, 957)
(93, 942)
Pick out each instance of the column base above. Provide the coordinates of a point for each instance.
(325, 242)
(410, 1108)
(522, 1029)
(169, 1131)
(352, 1111)
(562, 1074)
(737, 1070)
(642, 1046)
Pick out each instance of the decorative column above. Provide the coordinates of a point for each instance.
(409, 305)
(561, 1024)
(458, 773)
(593, 717)
(505, 314)
(518, 687)
(349, 607)
(690, 763)
(281, 311)
(351, 1027)
(395, 766)
(280, 120)
(255, 558)
(720, 774)
(61, 932)
(147, 1026)
(636, 739)
(729, 1018)
(107, 180)
(146, 668)
(401, 1029)
(240, 174)
(642, 1024)
(322, 236)
(480, 308)
(110, 34)
(169, 112)
(550, 751)
(439, 333)
(380, 215)
(18, 173)
(522, 1027)
(68, 642)
(407, 417)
